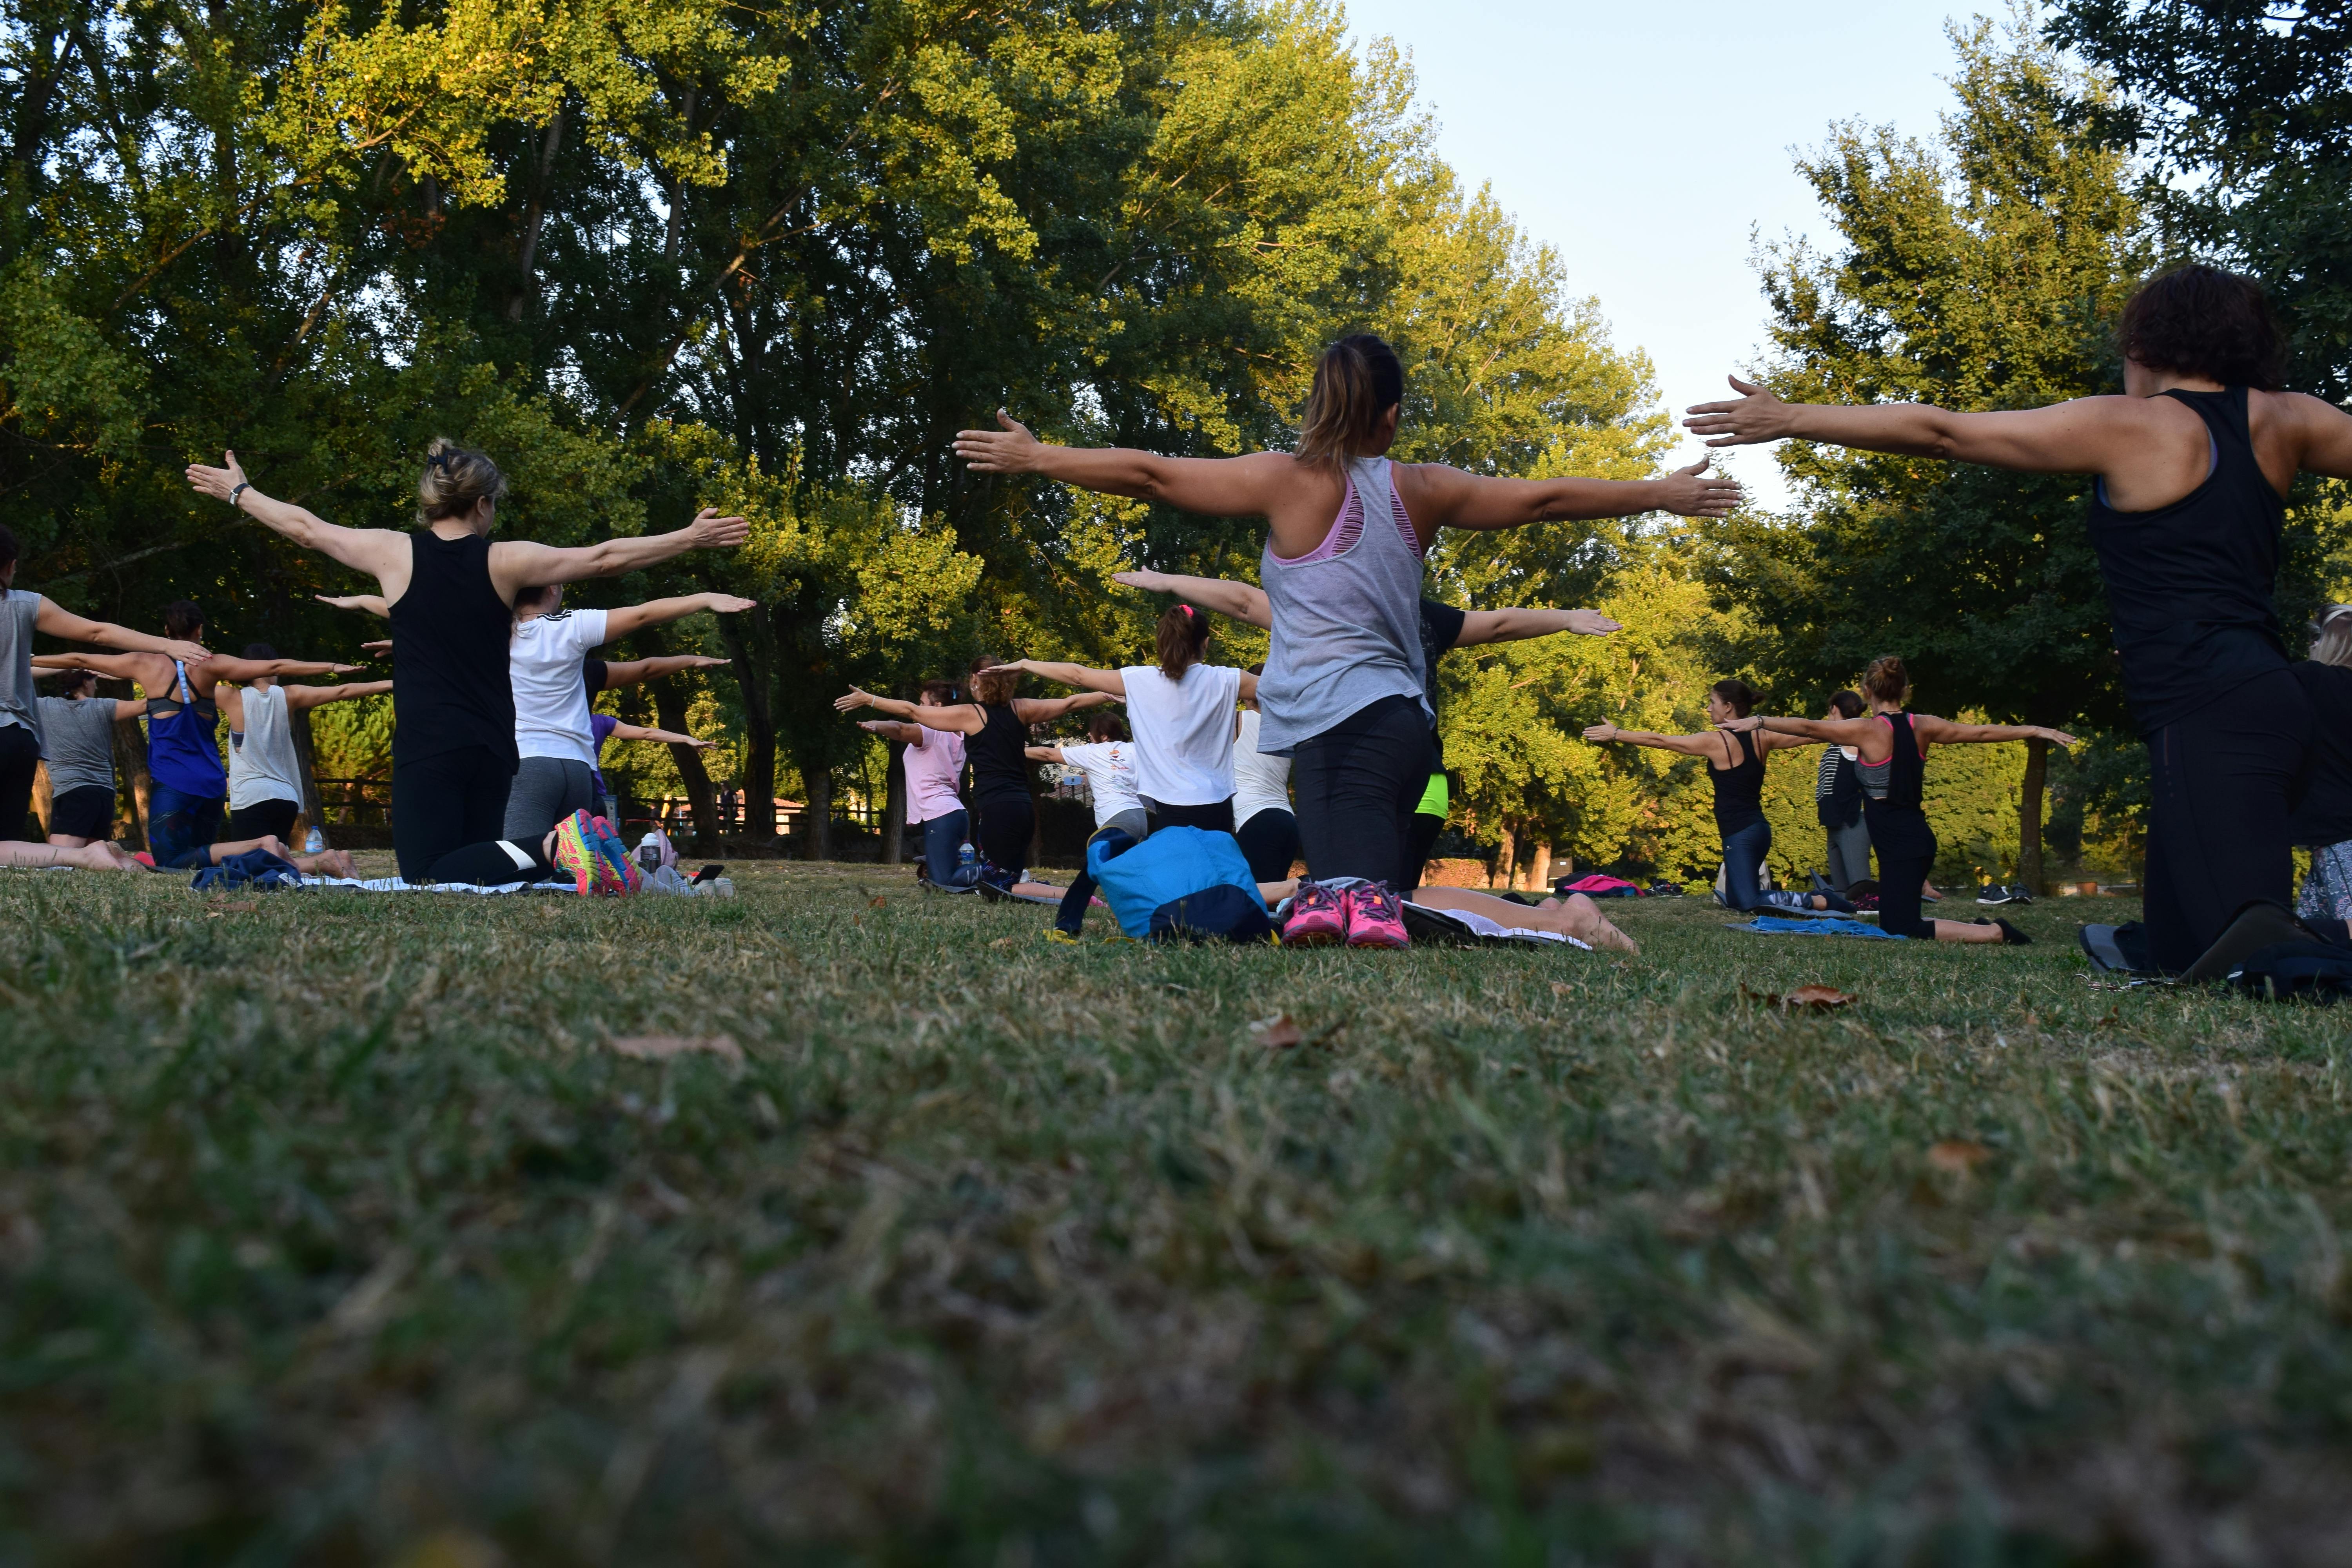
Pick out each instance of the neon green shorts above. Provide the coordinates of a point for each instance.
(1434, 800)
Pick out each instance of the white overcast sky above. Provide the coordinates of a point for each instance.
(1648, 143)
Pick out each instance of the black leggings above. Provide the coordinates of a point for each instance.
(1007, 822)
(1357, 784)
(20, 757)
(1217, 816)
(445, 801)
(2217, 822)
(493, 865)
(266, 818)
(1269, 842)
(1905, 846)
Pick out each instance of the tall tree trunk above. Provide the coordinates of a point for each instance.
(534, 219)
(305, 771)
(669, 707)
(44, 797)
(2028, 815)
(131, 766)
(1540, 869)
(1506, 860)
(893, 807)
(816, 782)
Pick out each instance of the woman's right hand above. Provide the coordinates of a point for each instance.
(218, 483)
(1010, 449)
(853, 701)
(1601, 733)
(1743, 726)
(1592, 623)
(1756, 415)
(1149, 582)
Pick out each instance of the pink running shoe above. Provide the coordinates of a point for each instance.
(1319, 916)
(1374, 917)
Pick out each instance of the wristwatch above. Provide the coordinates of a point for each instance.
(240, 487)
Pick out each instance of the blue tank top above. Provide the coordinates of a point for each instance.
(183, 741)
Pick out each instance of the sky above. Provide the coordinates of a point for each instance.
(1651, 142)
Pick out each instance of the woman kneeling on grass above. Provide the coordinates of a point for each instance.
(1893, 750)
(1342, 567)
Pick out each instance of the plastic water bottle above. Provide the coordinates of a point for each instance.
(313, 841)
(649, 855)
(967, 857)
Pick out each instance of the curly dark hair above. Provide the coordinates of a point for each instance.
(2200, 321)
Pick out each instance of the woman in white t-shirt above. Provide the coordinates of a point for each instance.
(556, 772)
(1108, 760)
(1263, 821)
(1183, 711)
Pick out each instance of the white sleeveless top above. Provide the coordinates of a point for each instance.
(262, 766)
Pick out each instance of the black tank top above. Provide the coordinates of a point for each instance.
(1906, 772)
(998, 767)
(2189, 585)
(1738, 789)
(449, 633)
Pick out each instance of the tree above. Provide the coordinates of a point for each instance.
(1979, 275)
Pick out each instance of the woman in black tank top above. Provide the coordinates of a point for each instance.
(2191, 463)
(995, 725)
(1735, 767)
(449, 591)
(1894, 745)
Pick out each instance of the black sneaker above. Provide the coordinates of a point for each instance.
(1994, 893)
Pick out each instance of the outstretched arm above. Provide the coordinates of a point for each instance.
(1215, 487)
(1042, 754)
(61, 623)
(630, 672)
(1045, 710)
(366, 604)
(2085, 436)
(517, 564)
(619, 623)
(1241, 601)
(891, 730)
(120, 666)
(1516, 626)
(1104, 680)
(961, 720)
(124, 712)
(220, 667)
(378, 552)
(312, 696)
(1707, 745)
(641, 733)
(1437, 496)
(1945, 732)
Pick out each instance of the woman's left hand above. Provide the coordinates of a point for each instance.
(2059, 738)
(1592, 623)
(853, 701)
(1743, 726)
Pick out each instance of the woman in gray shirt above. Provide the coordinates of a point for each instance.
(78, 732)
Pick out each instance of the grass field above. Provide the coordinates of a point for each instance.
(334, 1229)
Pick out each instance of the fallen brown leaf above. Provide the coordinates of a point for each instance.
(1278, 1032)
(1824, 996)
(876, 903)
(662, 1047)
(1957, 1156)
(1005, 941)
(1561, 988)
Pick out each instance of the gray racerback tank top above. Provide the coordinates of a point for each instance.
(1347, 617)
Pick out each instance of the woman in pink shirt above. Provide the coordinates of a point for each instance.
(934, 762)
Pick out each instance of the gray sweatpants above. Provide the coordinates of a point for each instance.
(545, 791)
(1849, 853)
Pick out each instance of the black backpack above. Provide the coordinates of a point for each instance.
(2301, 971)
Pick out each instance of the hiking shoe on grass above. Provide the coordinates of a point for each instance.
(1319, 916)
(1374, 917)
(1994, 893)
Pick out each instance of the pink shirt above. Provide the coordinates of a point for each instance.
(933, 764)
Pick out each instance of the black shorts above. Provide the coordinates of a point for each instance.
(87, 812)
(264, 816)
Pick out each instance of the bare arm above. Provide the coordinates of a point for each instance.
(125, 711)
(1042, 754)
(366, 604)
(1945, 732)
(629, 672)
(641, 732)
(1082, 676)
(62, 623)
(1045, 710)
(1215, 487)
(1516, 626)
(378, 552)
(517, 564)
(1708, 745)
(891, 730)
(220, 667)
(963, 719)
(312, 696)
(120, 666)
(1242, 602)
(1437, 496)
(619, 623)
(1836, 732)
(2085, 436)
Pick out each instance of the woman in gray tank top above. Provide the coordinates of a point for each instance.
(1342, 567)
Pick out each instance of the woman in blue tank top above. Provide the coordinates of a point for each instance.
(1346, 531)
(2191, 466)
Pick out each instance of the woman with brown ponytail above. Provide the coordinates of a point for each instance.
(1893, 755)
(451, 595)
(1343, 566)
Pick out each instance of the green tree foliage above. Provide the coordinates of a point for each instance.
(1979, 273)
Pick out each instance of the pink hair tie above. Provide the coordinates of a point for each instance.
(1187, 609)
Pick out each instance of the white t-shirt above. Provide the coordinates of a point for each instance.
(1260, 783)
(1109, 767)
(550, 697)
(1183, 732)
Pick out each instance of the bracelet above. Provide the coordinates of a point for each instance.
(240, 490)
